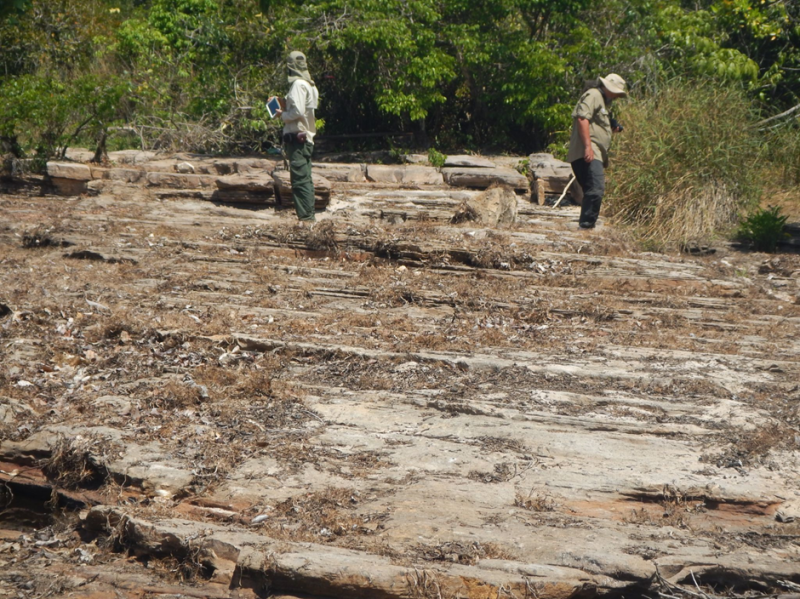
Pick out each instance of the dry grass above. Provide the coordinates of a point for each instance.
(217, 406)
(43, 236)
(694, 215)
(666, 515)
(464, 213)
(323, 516)
(423, 584)
(433, 342)
(121, 325)
(501, 444)
(752, 448)
(77, 461)
(683, 173)
(323, 238)
(786, 199)
(175, 395)
(536, 502)
(502, 472)
(673, 507)
(461, 553)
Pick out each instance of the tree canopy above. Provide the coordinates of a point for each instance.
(499, 74)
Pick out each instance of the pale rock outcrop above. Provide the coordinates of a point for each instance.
(69, 178)
(469, 161)
(349, 173)
(131, 156)
(484, 177)
(496, 206)
(178, 181)
(408, 175)
(245, 189)
(551, 176)
(69, 170)
(79, 154)
(249, 183)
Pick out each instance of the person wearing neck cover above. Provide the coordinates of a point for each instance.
(299, 128)
(590, 142)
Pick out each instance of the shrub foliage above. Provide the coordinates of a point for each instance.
(488, 74)
(763, 229)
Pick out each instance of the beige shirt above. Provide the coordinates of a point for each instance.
(592, 107)
(301, 102)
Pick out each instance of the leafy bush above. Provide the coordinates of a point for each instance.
(49, 114)
(436, 158)
(687, 164)
(498, 75)
(763, 229)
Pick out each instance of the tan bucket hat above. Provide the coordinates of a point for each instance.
(615, 84)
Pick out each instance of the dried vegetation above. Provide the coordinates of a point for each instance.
(78, 461)
(321, 516)
(425, 319)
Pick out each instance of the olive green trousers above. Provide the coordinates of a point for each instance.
(299, 156)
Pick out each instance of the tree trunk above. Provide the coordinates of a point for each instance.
(101, 153)
(421, 139)
(10, 145)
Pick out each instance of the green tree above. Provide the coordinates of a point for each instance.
(491, 73)
(13, 7)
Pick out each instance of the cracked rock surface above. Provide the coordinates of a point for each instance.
(220, 403)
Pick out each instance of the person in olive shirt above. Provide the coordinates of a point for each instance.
(591, 139)
(299, 128)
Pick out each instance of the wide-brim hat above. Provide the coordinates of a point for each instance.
(615, 84)
(298, 67)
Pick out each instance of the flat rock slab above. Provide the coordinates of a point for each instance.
(209, 165)
(163, 165)
(343, 172)
(492, 208)
(469, 161)
(148, 466)
(69, 187)
(123, 175)
(228, 196)
(253, 189)
(131, 156)
(259, 184)
(555, 174)
(152, 467)
(421, 159)
(69, 170)
(79, 154)
(384, 409)
(407, 175)
(246, 165)
(179, 181)
(321, 570)
(484, 177)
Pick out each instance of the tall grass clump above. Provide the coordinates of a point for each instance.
(687, 164)
(783, 152)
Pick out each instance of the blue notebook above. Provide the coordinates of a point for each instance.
(273, 106)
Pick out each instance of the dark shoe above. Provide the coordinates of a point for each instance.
(586, 225)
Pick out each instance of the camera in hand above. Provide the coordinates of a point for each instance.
(616, 125)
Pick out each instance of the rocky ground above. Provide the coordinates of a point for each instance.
(205, 399)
